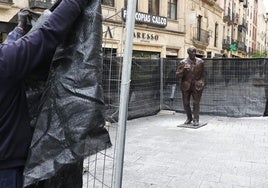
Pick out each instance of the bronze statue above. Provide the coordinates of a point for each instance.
(191, 70)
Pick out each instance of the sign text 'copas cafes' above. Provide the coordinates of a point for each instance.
(141, 17)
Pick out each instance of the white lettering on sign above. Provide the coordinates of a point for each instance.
(159, 20)
(141, 17)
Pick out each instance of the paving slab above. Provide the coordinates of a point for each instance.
(227, 152)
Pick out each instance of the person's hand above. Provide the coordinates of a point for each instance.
(23, 15)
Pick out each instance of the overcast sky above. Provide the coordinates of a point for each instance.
(266, 4)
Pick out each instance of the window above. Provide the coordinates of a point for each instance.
(199, 19)
(6, 1)
(108, 2)
(153, 7)
(216, 34)
(172, 9)
(209, 54)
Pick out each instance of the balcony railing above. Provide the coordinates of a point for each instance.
(42, 4)
(241, 46)
(6, 1)
(226, 43)
(200, 37)
(243, 25)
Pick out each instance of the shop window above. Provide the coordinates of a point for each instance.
(108, 2)
(172, 9)
(153, 7)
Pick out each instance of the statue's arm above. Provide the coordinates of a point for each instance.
(180, 68)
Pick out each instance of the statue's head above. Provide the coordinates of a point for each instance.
(191, 52)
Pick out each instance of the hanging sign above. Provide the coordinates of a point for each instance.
(141, 17)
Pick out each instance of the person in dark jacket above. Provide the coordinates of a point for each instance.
(192, 84)
(19, 55)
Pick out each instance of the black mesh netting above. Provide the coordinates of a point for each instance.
(144, 92)
(234, 87)
(69, 114)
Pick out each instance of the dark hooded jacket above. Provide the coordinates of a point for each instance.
(17, 60)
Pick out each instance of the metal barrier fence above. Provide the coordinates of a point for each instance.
(234, 87)
(144, 94)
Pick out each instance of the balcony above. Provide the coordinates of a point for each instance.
(41, 4)
(200, 37)
(241, 46)
(226, 43)
(210, 2)
(243, 26)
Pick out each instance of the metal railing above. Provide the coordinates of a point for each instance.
(243, 24)
(241, 46)
(42, 4)
(226, 43)
(6, 1)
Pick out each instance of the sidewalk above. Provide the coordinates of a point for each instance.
(226, 153)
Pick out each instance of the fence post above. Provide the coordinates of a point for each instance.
(124, 93)
(161, 82)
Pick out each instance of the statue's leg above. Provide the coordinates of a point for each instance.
(186, 104)
(196, 105)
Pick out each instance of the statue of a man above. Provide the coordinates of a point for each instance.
(191, 70)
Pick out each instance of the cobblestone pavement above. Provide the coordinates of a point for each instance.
(226, 153)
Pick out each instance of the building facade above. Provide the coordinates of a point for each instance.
(166, 28)
(261, 45)
(180, 24)
(159, 29)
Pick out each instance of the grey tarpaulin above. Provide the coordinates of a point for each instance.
(70, 119)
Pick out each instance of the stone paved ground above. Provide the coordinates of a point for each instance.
(226, 153)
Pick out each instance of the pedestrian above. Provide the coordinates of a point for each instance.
(191, 69)
(172, 81)
(19, 55)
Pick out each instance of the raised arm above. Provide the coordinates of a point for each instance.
(20, 57)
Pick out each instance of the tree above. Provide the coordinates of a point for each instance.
(259, 53)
